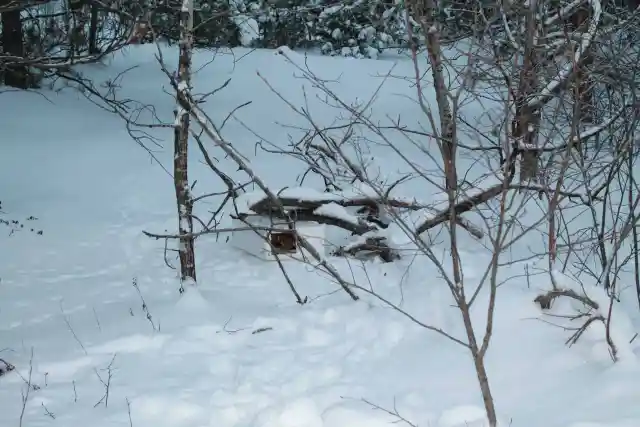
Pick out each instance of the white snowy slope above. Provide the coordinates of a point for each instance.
(67, 297)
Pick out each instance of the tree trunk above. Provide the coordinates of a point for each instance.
(485, 389)
(15, 75)
(584, 85)
(181, 144)
(93, 31)
(76, 30)
(478, 362)
(527, 118)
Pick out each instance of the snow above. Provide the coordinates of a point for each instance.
(306, 194)
(302, 193)
(255, 241)
(334, 210)
(248, 199)
(236, 350)
(249, 29)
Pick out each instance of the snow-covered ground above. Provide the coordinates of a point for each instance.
(240, 352)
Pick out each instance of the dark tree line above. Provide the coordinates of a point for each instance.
(41, 38)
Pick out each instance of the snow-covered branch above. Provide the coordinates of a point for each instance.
(575, 61)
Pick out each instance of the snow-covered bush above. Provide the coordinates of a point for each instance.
(216, 22)
(284, 23)
(355, 28)
(363, 28)
(360, 28)
(219, 23)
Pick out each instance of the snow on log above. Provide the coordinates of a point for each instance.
(331, 209)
